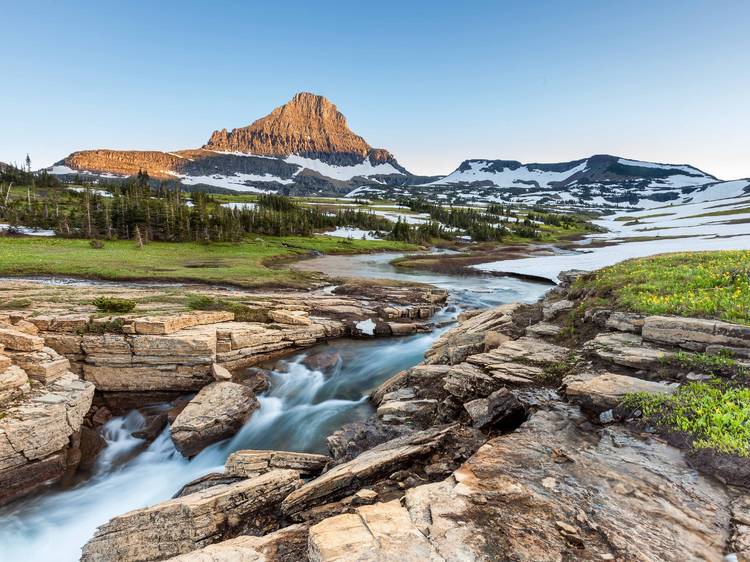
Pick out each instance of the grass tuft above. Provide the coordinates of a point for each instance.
(714, 414)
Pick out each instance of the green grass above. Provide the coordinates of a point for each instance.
(703, 284)
(715, 415)
(737, 211)
(710, 363)
(637, 218)
(244, 264)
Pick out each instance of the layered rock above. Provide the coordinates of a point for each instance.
(605, 391)
(218, 411)
(367, 467)
(191, 522)
(285, 545)
(38, 434)
(249, 463)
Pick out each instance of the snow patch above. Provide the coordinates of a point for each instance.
(342, 173)
(351, 233)
(366, 327)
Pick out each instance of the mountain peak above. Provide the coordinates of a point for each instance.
(308, 125)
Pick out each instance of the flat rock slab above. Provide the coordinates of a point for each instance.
(285, 545)
(364, 469)
(191, 522)
(527, 350)
(627, 350)
(381, 532)
(249, 463)
(218, 411)
(161, 325)
(600, 392)
(695, 333)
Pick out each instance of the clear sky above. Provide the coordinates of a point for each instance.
(434, 82)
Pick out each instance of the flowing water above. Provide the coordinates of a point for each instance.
(302, 407)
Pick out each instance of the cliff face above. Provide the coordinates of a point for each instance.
(309, 125)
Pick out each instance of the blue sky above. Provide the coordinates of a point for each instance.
(433, 82)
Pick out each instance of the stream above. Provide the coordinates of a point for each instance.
(301, 408)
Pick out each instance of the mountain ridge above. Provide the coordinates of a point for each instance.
(305, 147)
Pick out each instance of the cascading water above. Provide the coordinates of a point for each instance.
(302, 407)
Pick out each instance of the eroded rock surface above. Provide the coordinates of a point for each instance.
(551, 491)
(36, 434)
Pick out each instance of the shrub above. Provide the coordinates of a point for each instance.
(242, 312)
(112, 304)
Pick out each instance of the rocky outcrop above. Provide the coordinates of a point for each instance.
(218, 411)
(38, 430)
(469, 336)
(194, 521)
(308, 125)
(367, 467)
(550, 491)
(180, 351)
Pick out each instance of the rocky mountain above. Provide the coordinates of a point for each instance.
(309, 126)
(598, 181)
(302, 147)
(305, 147)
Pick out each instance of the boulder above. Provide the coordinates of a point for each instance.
(220, 374)
(249, 463)
(13, 383)
(553, 309)
(218, 411)
(600, 392)
(191, 522)
(695, 333)
(406, 411)
(501, 408)
(372, 464)
(425, 378)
